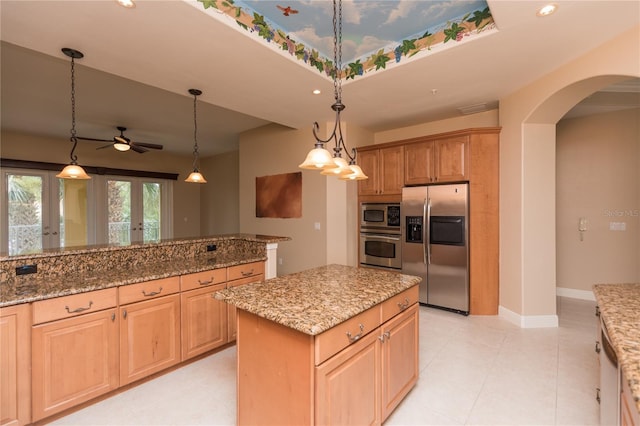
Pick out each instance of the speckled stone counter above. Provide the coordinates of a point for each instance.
(620, 309)
(79, 270)
(315, 300)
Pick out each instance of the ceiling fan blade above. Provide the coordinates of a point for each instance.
(137, 148)
(94, 139)
(147, 145)
(106, 146)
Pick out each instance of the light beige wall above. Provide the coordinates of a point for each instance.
(326, 201)
(186, 197)
(220, 195)
(544, 102)
(482, 119)
(598, 177)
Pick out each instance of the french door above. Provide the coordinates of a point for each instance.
(40, 211)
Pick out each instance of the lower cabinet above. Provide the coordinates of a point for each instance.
(365, 382)
(15, 365)
(149, 329)
(204, 321)
(629, 415)
(241, 275)
(74, 360)
(355, 373)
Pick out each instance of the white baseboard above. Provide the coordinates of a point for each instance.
(528, 321)
(575, 294)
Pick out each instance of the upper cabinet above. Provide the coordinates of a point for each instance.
(437, 160)
(384, 167)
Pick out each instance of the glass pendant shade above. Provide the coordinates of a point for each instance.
(341, 169)
(357, 174)
(317, 159)
(73, 171)
(196, 177)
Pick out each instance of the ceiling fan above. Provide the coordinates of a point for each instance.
(123, 143)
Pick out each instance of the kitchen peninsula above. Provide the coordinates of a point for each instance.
(331, 345)
(79, 323)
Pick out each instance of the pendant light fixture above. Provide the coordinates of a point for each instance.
(195, 176)
(320, 158)
(73, 170)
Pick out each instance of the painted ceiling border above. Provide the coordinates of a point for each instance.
(462, 29)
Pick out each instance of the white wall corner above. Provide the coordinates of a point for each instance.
(575, 294)
(271, 267)
(528, 321)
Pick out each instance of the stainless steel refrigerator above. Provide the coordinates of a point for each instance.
(435, 243)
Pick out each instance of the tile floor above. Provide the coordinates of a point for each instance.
(474, 371)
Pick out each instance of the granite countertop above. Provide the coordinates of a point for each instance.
(619, 306)
(26, 289)
(315, 300)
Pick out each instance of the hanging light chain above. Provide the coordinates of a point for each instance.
(195, 125)
(74, 139)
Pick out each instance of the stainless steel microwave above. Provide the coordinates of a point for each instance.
(376, 217)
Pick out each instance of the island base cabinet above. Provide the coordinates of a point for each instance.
(149, 337)
(74, 360)
(399, 358)
(629, 415)
(15, 366)
(348, 385)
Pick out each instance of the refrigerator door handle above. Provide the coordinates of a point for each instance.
(426, 219)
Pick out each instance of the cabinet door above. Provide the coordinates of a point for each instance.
(399, 358)
(629, 415)
(15, 365)
(391, 170)
(149, 337)
(368, 162)
(204, 321)
(231, 309)
(73, 360)
(419, 163)
(348, 385)
(451, 159)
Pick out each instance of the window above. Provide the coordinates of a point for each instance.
(41, 211)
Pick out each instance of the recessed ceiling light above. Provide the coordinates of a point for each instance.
(316, 92)
(126, 3)
(547, 10)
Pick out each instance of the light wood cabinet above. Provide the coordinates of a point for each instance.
(204, 321)
(15, 365)
(74, 360)
(149, 329)
(351, 374)
(629, 415)
(384, 167)
(437, 161)
(399, 358)
(241, 275)
(348, 385)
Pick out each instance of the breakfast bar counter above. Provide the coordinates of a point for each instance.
(331, 345)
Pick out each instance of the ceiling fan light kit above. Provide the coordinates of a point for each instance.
(195, 176)
(319, 158)
(73, 170)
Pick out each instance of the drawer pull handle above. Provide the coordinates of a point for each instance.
(247, 274)
(205, 282)
(597, 347)
(75, 311)
(153, 293)
(404, 305)
(357, 336)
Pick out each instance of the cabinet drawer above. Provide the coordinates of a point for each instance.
(245, 271)
(148, 290)
(73, 305)
(203, 279)
(342, 335)
(398, 303)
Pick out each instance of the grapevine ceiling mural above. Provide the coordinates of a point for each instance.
(376, 34)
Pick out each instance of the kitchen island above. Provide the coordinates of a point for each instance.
(619, 307)
(331, 345)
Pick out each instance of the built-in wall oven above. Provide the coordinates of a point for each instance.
(380, 243)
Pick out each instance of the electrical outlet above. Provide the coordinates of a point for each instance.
(26, 269)
(211, 247)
